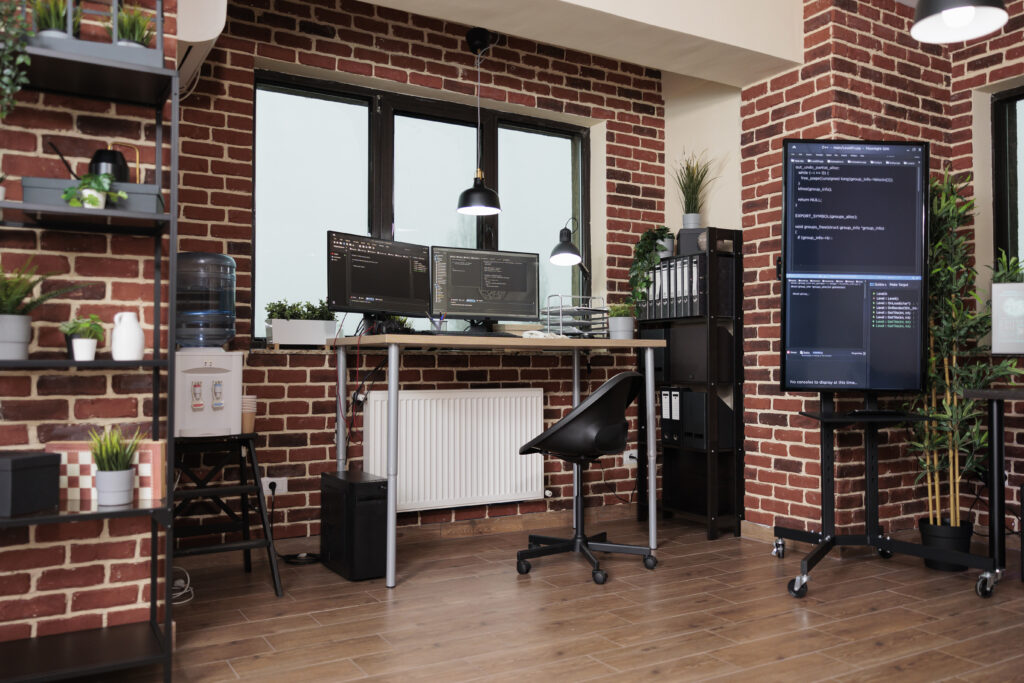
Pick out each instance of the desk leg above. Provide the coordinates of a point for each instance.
(340, 432)
(576, 483)
(996, 489)
(394, 365)
(652, 449)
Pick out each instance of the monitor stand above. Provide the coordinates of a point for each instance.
(479, 328)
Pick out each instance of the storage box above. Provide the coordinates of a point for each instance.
(29, 482)
(142, 198)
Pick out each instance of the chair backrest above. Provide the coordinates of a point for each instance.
(595, 427)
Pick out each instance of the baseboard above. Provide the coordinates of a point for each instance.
(513, 523)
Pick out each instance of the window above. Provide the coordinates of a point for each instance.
(334, 157)
(1007, 130)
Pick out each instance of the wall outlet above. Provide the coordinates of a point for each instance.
(282, 485)
(629, 458)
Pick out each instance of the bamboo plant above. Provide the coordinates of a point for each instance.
(951, 442)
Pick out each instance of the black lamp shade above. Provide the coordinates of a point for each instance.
(479, 200)
(954, 21)
(565, 252)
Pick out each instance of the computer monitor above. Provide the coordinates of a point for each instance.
(472, 284)
(367, 275)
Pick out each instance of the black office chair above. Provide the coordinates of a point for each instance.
(595, 427)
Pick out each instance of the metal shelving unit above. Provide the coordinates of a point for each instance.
(97, 651)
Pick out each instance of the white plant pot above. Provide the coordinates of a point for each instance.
(115, 488)
(620, 328)
(301, 332)
(667, 246)
(101, 197)
(15, 334)
(691, 221)
(83, 349)
(3, 196)
(52, 33)
(1008, 318)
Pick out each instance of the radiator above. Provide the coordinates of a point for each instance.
(458, 447)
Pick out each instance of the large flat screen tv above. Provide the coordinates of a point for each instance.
(854, 248)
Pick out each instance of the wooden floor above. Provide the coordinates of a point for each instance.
(711, 609)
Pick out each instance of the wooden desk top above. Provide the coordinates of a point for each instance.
(445, 341)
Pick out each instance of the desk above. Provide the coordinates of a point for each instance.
(396, 343)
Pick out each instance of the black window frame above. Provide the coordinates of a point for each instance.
(384, 105)
(1005, 152)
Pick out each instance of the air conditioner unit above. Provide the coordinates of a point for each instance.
(200, 22)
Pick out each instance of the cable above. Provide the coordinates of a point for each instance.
(181, 589)
(291, 558)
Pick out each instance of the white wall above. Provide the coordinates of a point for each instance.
(703, 116)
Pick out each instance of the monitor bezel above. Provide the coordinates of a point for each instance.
(376, 309)
(785, 237)
(460, 316)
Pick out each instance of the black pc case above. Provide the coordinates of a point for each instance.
(353, 524)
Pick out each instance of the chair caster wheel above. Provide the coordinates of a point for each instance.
(779, 548)
(984, 587)
(650, 561)
(884, 554)
(600, 576)
(523, 567)
(797, 592)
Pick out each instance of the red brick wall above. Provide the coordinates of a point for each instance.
(297, 391)
(56, 578)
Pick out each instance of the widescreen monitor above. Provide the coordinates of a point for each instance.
(854, 243)
(367, 275)
(472, 284)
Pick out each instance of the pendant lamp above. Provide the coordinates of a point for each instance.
(954, 21)
(479, 200)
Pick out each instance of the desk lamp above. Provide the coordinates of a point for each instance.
(565, 252)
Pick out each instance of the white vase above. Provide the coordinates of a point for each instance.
(620, 328)
(15, 334)
(691, 221)
(127, 341)
(83, 349)
(115, 488)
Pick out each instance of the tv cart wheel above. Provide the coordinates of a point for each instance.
(985, 586)
(779, 548)
(650, 561)
(884, 554)
(798, 587)
(600, 576)
(523, 567)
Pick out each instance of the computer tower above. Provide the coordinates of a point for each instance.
(353, 524)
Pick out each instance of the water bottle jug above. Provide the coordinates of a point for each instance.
(127, 342)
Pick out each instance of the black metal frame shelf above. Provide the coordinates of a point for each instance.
(107, 649)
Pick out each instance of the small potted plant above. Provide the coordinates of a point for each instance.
(620, 320)
(51, 17)
(83, 335)
(647, 254)
(14, 59)
(134, 27)
(303, 323)
(93, 191)
(16, 302)
(112, 453)
(692, 182)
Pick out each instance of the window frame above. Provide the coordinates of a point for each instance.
(1005, 151)
(384, 105)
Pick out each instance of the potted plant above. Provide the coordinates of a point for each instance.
(14, 59)
(51, 17)
(93, 191)
(1007, 311)
(112, 454)
(620, 320)
(646, 257)
(83, 335)
(134, 27)
(301, 323)
(952, 443)
(692, 182)
(16, 302)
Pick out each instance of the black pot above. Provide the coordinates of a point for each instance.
(948, 538)
(67, 340)
(110, 161)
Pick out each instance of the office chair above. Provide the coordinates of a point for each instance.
(595, 427)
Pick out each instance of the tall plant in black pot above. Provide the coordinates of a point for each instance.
(951, 442)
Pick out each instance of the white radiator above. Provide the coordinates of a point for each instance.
(458, 447)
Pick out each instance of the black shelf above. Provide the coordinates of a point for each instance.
(64, 364)
(80, 653)
(78, 511)
(70, 218)
(103, 79)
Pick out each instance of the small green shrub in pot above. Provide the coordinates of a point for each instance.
(93, 191)
(88, 330)
(305, 310)
(113, 453)
(302, 324)
(52, 15)
(622, 310)
(133, 26)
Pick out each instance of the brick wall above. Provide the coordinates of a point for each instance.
(863, 77)
(56, 578)
(350, 39)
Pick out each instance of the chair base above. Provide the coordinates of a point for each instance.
(541, 546)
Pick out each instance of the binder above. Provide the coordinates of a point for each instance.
(700, 293)
(684, 294)
(676, 415)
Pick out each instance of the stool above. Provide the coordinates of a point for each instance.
(240, 448)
